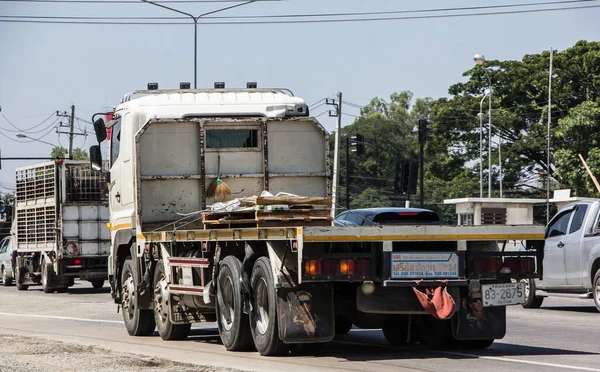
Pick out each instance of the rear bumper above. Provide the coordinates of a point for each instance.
(86, 267)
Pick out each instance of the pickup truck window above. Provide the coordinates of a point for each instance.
(578, 217)
(559, 225)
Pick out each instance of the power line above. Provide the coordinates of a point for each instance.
(345, 20)
(128, 1)
(304, 15)
(28, 129)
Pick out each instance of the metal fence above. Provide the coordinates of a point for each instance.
(84, 184)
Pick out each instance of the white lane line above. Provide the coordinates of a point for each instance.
(505, 359)
(62, 318)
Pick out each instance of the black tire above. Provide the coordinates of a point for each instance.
(6, 281)
(235, 332)
(97, 283)
(263, 318)
(47, 271)
(476, 344)
(167, 330)
(342, 325)
(395, 330)
(138, 322)
(596, 290)
(19, 279)
(531, 300)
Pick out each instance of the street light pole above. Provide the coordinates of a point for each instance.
(480, 60)
(481, 145)
(195, 19)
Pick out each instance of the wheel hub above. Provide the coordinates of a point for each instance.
(227, 294)
(161, 299)
(129, 295)
(262, 307)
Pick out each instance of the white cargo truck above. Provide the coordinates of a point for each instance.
(60, 230)
(277, 273)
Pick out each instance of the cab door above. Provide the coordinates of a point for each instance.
(573, 243)
(555, 273)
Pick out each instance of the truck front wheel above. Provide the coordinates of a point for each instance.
(263, 318)
(596, 290)
(233, 324)
(137, 321)
(531, 300)
(166, 329)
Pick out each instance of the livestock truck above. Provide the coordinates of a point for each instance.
(277, 273)
(59, 228)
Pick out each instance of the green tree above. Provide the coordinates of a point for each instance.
(386, 128)
(61, 152)
(519, 114)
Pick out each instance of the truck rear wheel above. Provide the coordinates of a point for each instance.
(97, 283)
(476, 344)
(531, 300)
(233, 324)
(6, 281)
(137, 321)
(20, 278)
(396, 330)
(263, 318)
(596, 290)
(47, 273)
(166, 329)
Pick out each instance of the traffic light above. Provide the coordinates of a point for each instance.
(357, 143)
(405, 180)
(424, 131)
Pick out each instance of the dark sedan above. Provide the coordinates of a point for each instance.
(387, 216)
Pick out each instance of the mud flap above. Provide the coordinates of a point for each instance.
(306, 313)
(475, 322)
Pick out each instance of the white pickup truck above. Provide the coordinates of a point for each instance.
(571, 256)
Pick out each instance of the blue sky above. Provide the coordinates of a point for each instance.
(48, 67)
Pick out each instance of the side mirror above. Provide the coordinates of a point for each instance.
(100, 129)
(96, 156)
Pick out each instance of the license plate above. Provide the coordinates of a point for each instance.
(419, 265)
(503, 294)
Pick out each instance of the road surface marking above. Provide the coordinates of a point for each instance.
(564, 366)
(475, 356)
(62, 318)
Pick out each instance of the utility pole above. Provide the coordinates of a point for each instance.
(71, 132)
(336, 153)
(347, 173)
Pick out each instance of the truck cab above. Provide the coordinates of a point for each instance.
(571, 255)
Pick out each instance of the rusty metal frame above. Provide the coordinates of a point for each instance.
(265, 136)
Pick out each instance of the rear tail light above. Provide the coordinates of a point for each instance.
(362, 266)
(520, 264)
(335, 267)
(77, 261)
(487, 264)
(329, 267)
(347, 267)
(312, 267)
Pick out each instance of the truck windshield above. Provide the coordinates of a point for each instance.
(231, 138)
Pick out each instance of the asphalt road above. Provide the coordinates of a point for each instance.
(563, 335)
